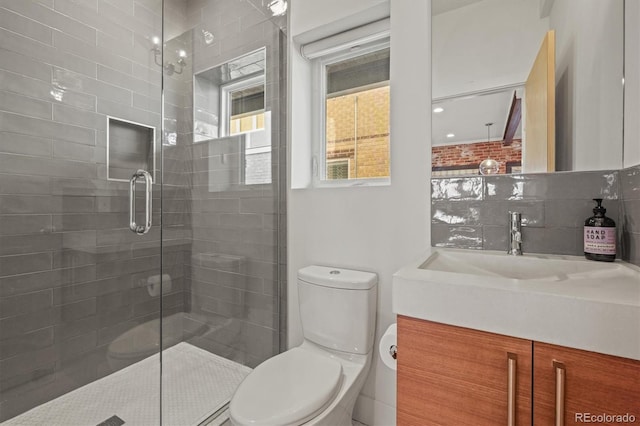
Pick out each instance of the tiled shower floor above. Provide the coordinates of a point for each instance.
(195, 384)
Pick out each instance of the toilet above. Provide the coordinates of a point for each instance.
(316, 383)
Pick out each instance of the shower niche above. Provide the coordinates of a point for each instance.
(130, 147)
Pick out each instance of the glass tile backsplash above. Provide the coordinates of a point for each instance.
(629, 219)
(472, 212)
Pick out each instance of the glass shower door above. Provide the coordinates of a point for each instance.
(223, 205)
(132, 242)
(80, 293)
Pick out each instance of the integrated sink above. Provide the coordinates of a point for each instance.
(562, 300)
(526, 267)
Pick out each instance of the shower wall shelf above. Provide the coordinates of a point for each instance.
(131, 146)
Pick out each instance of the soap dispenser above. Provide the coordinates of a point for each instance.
(600, 235)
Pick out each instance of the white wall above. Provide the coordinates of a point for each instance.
(632, 85)
(376, 229)
(487, 44)
(588, 83)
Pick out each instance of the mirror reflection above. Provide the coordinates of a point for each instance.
(546, 73)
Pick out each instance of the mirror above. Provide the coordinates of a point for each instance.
(548, 75)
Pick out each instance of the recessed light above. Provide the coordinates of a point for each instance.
(450, 135)
(438, 109)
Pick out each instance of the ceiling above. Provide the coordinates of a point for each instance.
(466, 118)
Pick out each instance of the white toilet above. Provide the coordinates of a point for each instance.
(316, 383)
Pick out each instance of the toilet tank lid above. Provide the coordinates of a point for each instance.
(338, 277)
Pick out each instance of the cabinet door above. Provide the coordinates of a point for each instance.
(455, 376)
(594, 385)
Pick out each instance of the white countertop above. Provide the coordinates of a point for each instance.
(596, 311)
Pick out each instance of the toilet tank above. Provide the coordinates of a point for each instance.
(338, 307)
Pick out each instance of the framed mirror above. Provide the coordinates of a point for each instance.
(547, 75)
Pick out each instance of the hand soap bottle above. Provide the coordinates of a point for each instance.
(600, 235)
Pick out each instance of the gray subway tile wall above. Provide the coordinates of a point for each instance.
(472, 212)
(630, 214)
(234, 270)
(73, 278)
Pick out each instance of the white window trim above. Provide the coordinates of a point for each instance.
(225, 110)
(225, 99)
(345, 40)
(318, 121)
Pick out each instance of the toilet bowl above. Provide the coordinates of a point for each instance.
(316, 383)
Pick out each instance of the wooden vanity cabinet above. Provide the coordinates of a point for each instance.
(593, 384)
(456, 376)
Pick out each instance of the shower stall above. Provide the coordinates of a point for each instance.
(142, 207)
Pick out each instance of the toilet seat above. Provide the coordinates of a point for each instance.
(288, 389)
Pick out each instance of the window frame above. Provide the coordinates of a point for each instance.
(225, 100)
(319, 98)
(225, 114)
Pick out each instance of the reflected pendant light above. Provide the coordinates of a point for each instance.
(489, 166)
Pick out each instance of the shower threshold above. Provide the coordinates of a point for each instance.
(195, 385)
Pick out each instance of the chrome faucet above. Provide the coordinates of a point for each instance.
(515, 234)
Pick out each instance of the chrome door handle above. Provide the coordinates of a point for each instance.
(148, 180)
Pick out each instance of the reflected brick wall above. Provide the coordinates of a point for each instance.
(473, 154)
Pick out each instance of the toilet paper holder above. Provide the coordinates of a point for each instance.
(388, 349)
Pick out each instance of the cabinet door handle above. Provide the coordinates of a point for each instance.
(512, 363)
(560, 382)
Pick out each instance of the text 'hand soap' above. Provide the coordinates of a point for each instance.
(600, 235)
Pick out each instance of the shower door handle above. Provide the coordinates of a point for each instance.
(148, 180)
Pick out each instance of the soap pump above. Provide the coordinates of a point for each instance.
(600, 235)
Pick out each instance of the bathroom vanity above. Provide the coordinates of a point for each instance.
(489, 339)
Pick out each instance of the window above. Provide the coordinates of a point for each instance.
(243, 106)
(354, 107)
(231, 115)
(243, 113)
